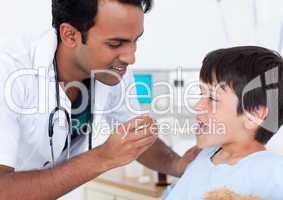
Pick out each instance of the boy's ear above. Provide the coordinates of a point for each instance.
(255, 118)
(70, 36)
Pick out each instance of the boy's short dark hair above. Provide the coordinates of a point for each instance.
(237, 67)
(81, 13)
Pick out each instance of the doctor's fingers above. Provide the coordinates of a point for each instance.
(139, 122)
(135, 149)
(135, 127)
(145, 132)
(144, 143)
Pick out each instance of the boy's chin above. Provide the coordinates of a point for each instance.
(205, 141)
(203, 145)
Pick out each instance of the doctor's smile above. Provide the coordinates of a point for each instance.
(120, 69)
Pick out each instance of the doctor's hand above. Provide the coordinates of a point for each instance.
(129, 141)
(186, 159)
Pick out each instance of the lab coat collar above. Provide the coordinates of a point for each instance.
(45, 49)
(43, 54)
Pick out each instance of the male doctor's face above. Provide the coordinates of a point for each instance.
(111, 42)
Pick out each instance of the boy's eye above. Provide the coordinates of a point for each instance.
(211, 98)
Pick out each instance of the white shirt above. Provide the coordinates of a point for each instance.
(258, 174)
(24, 142)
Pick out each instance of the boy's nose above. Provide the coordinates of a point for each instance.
(200, 106)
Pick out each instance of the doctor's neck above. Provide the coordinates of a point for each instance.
(68, 68)
(69, 71)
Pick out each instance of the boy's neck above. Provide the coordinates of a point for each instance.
(232, 153)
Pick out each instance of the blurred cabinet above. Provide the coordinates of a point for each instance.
(100, 191)
(119, 198)
(90, 194)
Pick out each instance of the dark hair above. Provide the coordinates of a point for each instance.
(81, 13)
(237, 67)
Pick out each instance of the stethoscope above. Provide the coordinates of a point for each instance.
(59, 108)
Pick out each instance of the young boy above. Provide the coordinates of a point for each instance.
(242, 93)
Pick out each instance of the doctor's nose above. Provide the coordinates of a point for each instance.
(129, 55)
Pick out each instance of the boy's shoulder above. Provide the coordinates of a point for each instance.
(263, 159)
(267, 157)
(263, 166)
(262, 156)
(271, 160)
(266, 169)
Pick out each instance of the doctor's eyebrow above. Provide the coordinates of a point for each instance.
(121, 39)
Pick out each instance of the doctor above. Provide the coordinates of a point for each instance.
(89, 36)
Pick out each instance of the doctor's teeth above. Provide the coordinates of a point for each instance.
(118, 68)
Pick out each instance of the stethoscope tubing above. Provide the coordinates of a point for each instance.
(60, 108)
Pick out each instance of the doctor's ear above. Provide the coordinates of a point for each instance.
(253, 119)
(69, 35)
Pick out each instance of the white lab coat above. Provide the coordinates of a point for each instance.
(24, 143)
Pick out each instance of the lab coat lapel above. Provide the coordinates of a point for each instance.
(102, 93)
(43, 55)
